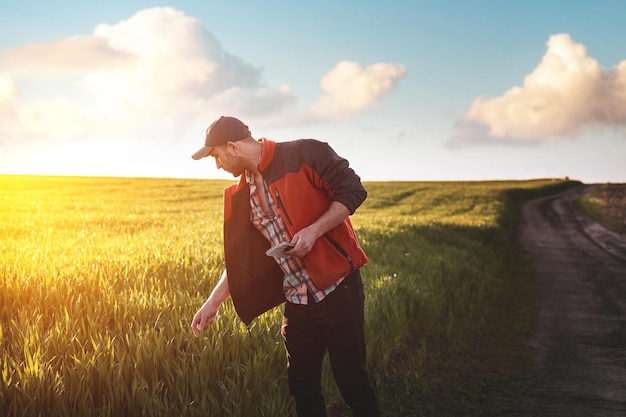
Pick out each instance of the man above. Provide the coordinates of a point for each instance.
(300, 192)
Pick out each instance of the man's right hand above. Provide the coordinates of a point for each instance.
(204, 318)
(208, 312)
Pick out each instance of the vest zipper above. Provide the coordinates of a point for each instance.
(279, 201)
(337, 246)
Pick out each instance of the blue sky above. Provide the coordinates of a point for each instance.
(405, 90)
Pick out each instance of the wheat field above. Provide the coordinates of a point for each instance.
(100, 277)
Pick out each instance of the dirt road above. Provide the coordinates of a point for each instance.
(580, 330)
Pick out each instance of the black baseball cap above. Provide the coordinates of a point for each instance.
(220, 132)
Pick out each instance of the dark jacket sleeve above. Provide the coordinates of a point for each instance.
(334, 174)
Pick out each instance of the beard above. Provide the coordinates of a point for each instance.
(236, 169)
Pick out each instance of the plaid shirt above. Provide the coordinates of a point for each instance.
(297, 283)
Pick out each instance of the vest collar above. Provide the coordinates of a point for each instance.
(269, 147)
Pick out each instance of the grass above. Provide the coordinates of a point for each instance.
(100, 278)
(607, 205)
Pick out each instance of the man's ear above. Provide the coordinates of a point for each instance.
(233, 147)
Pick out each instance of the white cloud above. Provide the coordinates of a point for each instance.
(566, 93)
(62, 57)
(53, 120)
(158, 72)
(348, 88)
(176, 59)
(8, 91)
(259, 102)
(153, 77)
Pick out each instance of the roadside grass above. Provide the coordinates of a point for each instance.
(99, 279)
(607, 205)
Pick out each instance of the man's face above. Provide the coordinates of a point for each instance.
(227, 158)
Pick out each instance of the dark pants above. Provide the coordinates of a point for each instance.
(335, 324)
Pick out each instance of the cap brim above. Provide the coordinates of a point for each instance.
(202, 153)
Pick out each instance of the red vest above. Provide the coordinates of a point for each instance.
(304, 177)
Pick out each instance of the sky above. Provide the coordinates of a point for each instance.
(405, 90)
